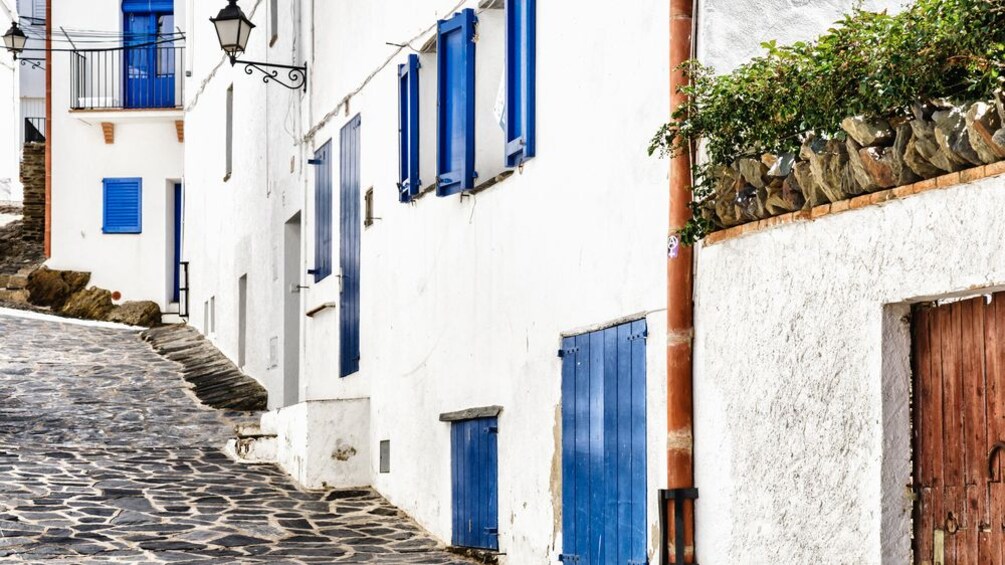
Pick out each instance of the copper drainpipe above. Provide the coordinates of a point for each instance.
(48, 129)
(680, 314)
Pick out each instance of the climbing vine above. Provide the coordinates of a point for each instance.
(868, 63)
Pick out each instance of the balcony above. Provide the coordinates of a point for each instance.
(144, 77)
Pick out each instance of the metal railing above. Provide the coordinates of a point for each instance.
(184, 290)
(144, 76)
(34, 130)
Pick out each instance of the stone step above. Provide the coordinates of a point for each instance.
(253, 450)
(214, 378)
(13, 282)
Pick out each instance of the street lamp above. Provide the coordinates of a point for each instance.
(14, 40)
(233, 29)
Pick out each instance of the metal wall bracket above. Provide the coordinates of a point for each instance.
(678, 496)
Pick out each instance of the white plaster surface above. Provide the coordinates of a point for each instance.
(801, 395)
(464, 301)
(6, 219)
(325, 443)
(137, 265)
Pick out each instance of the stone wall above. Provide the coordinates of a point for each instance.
(33, 179)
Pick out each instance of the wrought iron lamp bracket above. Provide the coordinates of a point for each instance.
(295, 79)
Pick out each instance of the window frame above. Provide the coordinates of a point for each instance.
(409, 183)
(521, 81)
(119, 182)
(454, 175)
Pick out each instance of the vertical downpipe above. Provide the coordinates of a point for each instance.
(47, 245)
(680, 313)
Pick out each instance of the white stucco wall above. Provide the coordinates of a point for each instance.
(146, 145)
(802, 372)
(464, 300)
(10, 109)
(237, 227)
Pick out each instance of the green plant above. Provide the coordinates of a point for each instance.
(872, 64)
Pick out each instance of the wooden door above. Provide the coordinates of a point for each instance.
(475, 483)
(959, 422)
(350, 220)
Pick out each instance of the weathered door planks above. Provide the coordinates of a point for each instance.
(959, 415)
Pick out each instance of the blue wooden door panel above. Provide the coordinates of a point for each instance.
(350, 226)
(603, 446)
(149, 67)
(475, 483)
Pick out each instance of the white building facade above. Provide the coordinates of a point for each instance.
(443, 306)
(10, 185)
(117, 144)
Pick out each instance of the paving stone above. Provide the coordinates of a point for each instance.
(107, 457)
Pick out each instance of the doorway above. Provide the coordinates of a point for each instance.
(291, 311)
(959, 427)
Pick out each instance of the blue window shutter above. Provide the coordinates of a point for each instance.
(323, 212)
(148, 6)
(521, 29)
(455, 115)
(123, 205)
(408, 129)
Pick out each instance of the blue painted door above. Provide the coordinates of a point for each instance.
(176, 240)
(604, 446)
(475, 479)
(350, 221)
(149, 66)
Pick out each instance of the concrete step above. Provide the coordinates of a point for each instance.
(172, 318)
(256, 450)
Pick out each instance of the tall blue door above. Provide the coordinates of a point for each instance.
(475, 479)
(149, 64)
(604, 446)
(350, 221)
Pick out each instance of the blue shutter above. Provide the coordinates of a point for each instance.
(475, 483)
(323, 212)
(123, 203)
(604, 446)
(455, 116)
(409, 184)
(521, 30)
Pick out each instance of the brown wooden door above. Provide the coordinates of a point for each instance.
(959, 417)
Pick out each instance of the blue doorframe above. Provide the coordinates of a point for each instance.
(350, 221)
(176, 242)
(604, 446)
(475, 480)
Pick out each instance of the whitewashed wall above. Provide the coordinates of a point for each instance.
(464, 301)
(236, 228)
(10, 185)
(802, 375)
(146, 145)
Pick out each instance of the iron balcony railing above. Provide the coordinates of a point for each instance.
(34, 130)
(144, 76)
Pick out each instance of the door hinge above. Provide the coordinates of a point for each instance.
(493, 429)
(492, 531)
(564, 352)
(315, 162)
(567, 558)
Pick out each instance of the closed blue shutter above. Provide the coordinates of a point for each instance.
(146, 6)
(520, 80)
(455, 117)
(604, 446)
(323, 212)
(123, 203)
(408, 129)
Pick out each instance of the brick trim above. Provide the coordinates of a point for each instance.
(944, 181)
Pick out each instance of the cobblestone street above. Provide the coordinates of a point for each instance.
(105, 457)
